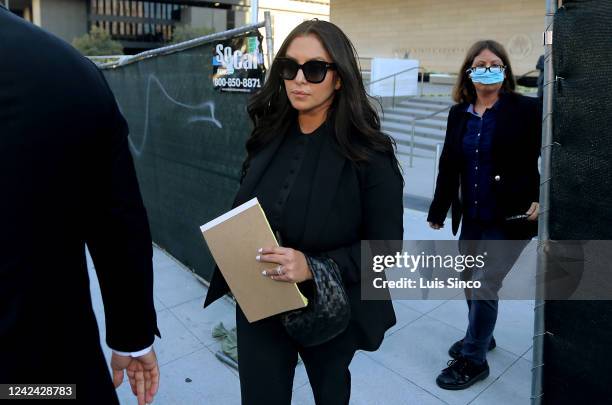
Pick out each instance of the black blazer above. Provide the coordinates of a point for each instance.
(516, 148)
(67, 180)
(348, 203)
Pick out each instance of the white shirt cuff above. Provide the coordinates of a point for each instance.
(134, 354)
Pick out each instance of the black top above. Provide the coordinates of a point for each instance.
(343, 203)
(67, 179)
(284, 189)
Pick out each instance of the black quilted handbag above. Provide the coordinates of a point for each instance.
(328, 312)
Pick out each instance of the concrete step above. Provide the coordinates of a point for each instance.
(406, 120)
(397, 122)
(442, 79)
(427, 101)
(406, 130)
(403, 152)
(420, 143)
(416, 112)
(420, 150)
(430, 108)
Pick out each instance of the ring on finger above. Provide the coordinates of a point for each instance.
(279, 270)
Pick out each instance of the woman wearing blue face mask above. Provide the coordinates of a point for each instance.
(489, 174)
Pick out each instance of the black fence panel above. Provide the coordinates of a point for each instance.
(577, 350)
(188, 142)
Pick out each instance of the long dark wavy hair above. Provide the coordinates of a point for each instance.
(464, 90)
(355, 121)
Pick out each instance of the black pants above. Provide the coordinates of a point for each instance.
(267, 357)
(87, 369)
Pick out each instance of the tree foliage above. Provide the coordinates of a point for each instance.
(185, 33)
(97, 43)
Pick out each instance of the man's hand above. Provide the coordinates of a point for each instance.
(143, 374)
(435, 226)
(293, 267)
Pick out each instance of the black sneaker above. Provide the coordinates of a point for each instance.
(462, 373)
(455, 350)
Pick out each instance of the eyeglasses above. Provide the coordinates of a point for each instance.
(483, 69)
(314, 70)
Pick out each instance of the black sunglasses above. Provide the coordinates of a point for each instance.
(314, 70)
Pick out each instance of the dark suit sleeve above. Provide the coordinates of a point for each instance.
(118, 237)
(447, 183)
(382, 214)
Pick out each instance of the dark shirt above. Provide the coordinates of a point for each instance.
(476, 176)
(284, 189)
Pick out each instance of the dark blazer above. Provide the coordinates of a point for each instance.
(349, 203)
(67, 180)
(516, 148)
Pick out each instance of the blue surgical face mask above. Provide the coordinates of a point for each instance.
(485, 76)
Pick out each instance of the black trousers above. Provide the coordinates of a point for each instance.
(267, 357)
(87, 369)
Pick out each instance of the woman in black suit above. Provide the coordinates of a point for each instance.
(489, 174)
(327, 178)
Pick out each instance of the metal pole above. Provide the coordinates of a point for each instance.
(412, 143)
(269, 37)
(539, 327)
(254, 11)
(422, 82)
(7, 4)
(435, 171)
(393, 100)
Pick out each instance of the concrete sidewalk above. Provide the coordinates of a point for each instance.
(419, 181)
(403, 371)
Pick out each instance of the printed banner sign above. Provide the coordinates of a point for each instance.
(238, 64)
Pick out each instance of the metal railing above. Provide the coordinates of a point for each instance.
(420, 118)
(435, 168)
(165, 50)
(394, 77)
(100, 60)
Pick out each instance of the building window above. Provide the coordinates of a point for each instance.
(135, 20)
